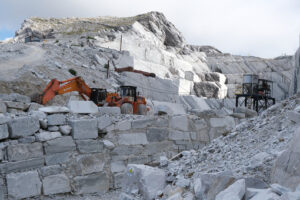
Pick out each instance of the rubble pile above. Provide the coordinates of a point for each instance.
(258, 160)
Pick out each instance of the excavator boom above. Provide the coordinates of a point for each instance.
(56, 87)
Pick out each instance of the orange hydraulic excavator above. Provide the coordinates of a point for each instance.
(127, 100)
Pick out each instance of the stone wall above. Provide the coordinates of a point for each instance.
(47, 151)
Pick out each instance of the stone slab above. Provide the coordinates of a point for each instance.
(157, 134)
(95, 183)
(54, 109)
(179, 123)
(56, 184)
(59, 145)
(22, 165)
(24, 151)
(46, 136)
(3, 131)
(133, 139)
(87, 164)
(83, 107)
(90, 146)
(56, 119)
(23, 185)
(23, 126)
(84, 128)
(50, 170)
(58, 158)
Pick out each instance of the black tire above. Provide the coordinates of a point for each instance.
(142, 109)
(127, 108)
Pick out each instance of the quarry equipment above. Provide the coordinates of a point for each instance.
(131, 69)
(255, 93)
(127, 98)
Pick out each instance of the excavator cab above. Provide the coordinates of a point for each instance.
(128, 92)
(98, 96)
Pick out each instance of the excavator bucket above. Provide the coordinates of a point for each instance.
(37, 98)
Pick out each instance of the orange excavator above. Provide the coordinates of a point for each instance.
(127, 98)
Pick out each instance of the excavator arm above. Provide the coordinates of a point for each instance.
(56, 87)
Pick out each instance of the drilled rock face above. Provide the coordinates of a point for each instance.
(158, 24)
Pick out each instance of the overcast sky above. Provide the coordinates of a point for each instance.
(265, 28)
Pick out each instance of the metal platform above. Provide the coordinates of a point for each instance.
(256, 102)
(256, 93)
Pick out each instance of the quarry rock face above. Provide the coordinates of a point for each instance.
(192, 144)
(285, 168)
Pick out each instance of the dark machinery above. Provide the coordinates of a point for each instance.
(127, 99)
(256, 93)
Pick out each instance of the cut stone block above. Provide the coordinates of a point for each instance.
(133, 139)
(39, 114)
(157, 134)
(45, 136)
(59, 145)
(179, 123)
(84, 128)
(21, 165)
(127, 150)
(56, 184)
(3, 131)
(104, 122)
(168, 108)
(95, 183)
(177, 135)
(26, 140)
(89, 146)
(83, 107)
(141, 178)
(56, 119)
(54, 109)
(141, 123)
(24, 151)
(50, 170)
(23, 185)
(117, 166)
(4, 119)
(235, 191)
(19, 98)
(207, 186)
(23, 126)
(17, 105)
(123, 125)
(3, 108)
(58, 158)
(155, 147)
(88, 164)
(222, 122)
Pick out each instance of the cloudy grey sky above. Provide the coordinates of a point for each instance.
(266, 28)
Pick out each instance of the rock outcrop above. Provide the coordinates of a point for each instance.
(285, 171)
(158, 47)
